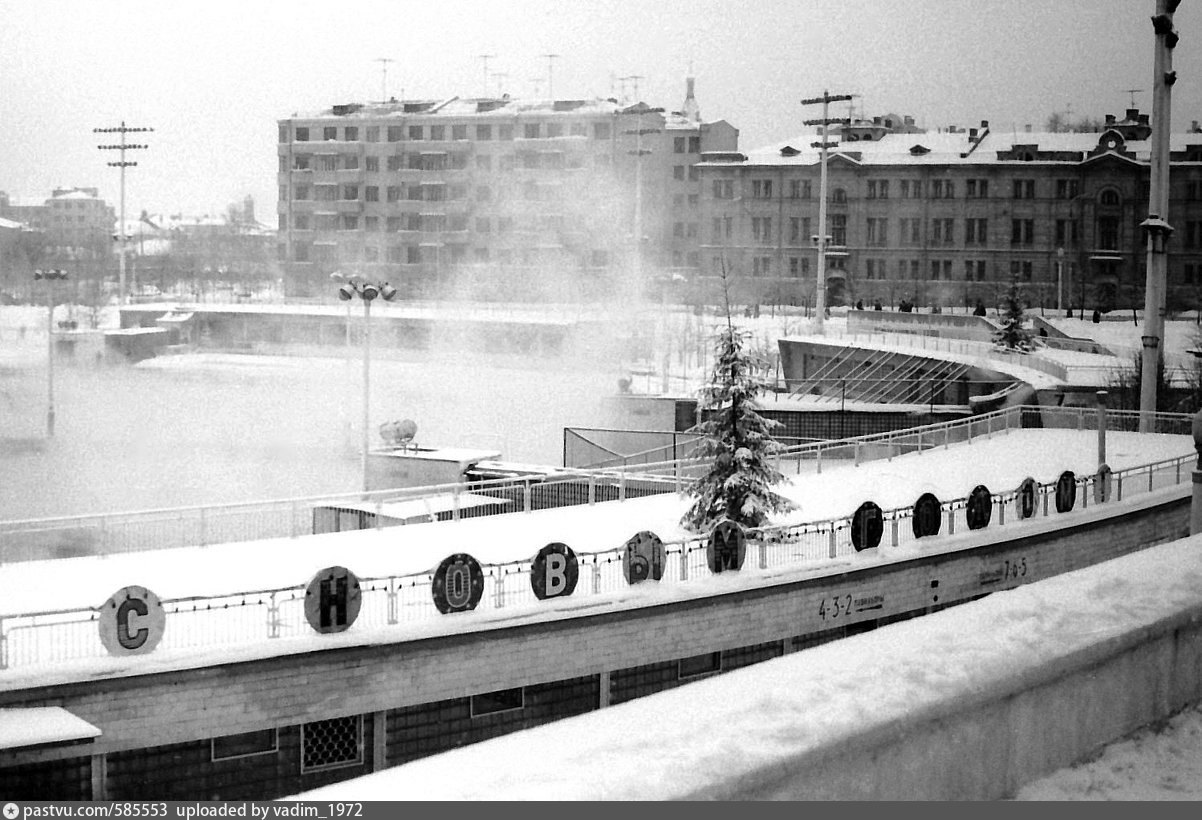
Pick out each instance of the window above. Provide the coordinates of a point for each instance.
(694, 173)
(941, 269)
(503, 700)
(694, 200)
(599, 259)
(458, 132)
(350, 133)
(326, 193)
(504, 224)
(229, 747)
(371, 193)
(723, 226)
(974, 270)
(838, 226)
(1193, 190)
(393, 224)
(1022, 231)
(799, 189)
(1108, 233)
(300, 251)
(554, 129)
(678, 229)
(300, 192)
(531, 130)
(1022, 270)
(393, 193)
(350, 192)
(394, 162)
(505, 132)
(839, 196)
(331, 744)
(483, 193)
(878, 189)
(484, 162)
(371, 253)
(1023, 188)
(699, 665)
(1067, 188)
(350, 222)
(878, 232)
(415, 132)
(329, 162)
(329, 132)
(1193, 234)
(394, 133)
(300, 222)
(690, 230)
(799, 230)
(799, 266)
(1067, 232)
(413, 255)
(761, 189)
(911, 189)
(373, 133)
(976, 232)
(943, 189)
(601, 130)
(283, 164)
(483, 224)
(371, 223)
(1109, 198)
(678, 145)
(943, 232)
(371, 164)
(761, 229)
(910, 231)
(761, 266)
(438, 133)
(678, 172)
(976, 189)
(875, 269)
(694, 145)
(302, 134)
(283, 133)
(724, 189)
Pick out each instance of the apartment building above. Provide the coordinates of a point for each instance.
(492, 197)
(949, 218)
(75, 223)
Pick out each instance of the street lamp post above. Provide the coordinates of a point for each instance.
(353, 286)
(1059, 279)
(50, 276)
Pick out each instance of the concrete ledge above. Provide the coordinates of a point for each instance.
(968, 703)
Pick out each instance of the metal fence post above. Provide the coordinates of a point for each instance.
(203, 529)
(832, 540)
(622, 486)
(526, 495)
(894, 528)
(596, 578)
(292, 525)
(684, 561)
(763, 555)
(592, 489)
(818, 458)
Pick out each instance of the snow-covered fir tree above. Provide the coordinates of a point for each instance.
(1012, 335)
(736, 440)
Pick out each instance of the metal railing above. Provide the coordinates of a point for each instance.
(58, 636)
(140, 531)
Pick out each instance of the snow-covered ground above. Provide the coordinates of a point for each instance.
(721, 736)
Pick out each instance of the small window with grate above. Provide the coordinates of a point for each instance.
(246, 744)
(332, 744)
(700, 665)
(503, 700)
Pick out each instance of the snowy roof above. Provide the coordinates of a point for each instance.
(41, 725)
(954, 148)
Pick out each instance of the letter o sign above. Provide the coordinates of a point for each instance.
(458, 584)
(332, 600)
(554, 571)
(132, 621)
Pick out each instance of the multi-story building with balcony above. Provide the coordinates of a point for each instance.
(950, 218)
(492, 197)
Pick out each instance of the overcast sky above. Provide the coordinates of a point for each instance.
(213, 78)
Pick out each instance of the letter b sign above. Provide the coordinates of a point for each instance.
(554, 571)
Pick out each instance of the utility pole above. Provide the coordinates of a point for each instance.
(820, 286)
(484, 58)
(638, 153)
(1156, 226)
(384, 61)
(550, 58)
(123, 146)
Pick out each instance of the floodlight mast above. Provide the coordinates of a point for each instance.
(122, 146)
(820, 274)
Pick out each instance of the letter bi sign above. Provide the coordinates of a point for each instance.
(132, 621)
(332, 600)
(643, 558)
(554, 571)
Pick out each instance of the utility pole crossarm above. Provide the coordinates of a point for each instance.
(122, 163)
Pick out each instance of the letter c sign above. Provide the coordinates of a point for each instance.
(132, 622)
